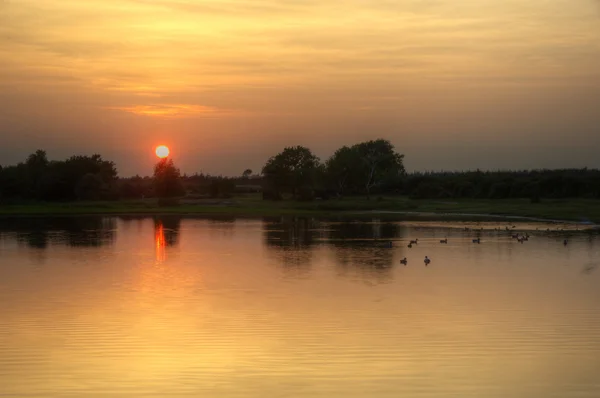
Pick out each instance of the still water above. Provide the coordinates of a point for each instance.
(183, 307)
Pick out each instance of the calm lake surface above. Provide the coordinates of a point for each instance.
(176, 307)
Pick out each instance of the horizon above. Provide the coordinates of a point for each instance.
(453, 85)
(257, 173)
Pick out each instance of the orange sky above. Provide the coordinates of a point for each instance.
(453, 84)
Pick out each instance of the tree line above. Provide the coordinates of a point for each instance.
(168, 182)
(368, 168)
(374, 167)
(91, 178)
(76, 178)
(364, 168)
(531, 184)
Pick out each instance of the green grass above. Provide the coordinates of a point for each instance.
(253, 205)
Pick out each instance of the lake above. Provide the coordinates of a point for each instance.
(190, 307)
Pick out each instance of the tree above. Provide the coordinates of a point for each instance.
(38, 159)
(378, 160)
(40, 179)
(167, 179)
(339, 167)
(247, 173)
(89, 187)
(13, 182)
(223, 187)
(292, 169)
(82, 165)
(37, 164)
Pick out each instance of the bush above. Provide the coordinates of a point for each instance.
(271, 195)
(426, 190)
(306, 194)
(499, 190)
(323, 194)
(168, 202)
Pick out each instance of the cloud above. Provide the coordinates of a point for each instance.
(239, 8)
(174, 110)
(296, 65)
(159, 47)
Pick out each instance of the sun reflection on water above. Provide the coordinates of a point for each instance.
(159, 238)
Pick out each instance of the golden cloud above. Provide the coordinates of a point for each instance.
(173, 110)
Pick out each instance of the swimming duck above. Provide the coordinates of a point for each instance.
(478, 240)
(403, 261)
(427, 260)
(444, 240)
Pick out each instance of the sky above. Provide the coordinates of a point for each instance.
(453, 84)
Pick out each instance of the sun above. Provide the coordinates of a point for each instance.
(162, 151)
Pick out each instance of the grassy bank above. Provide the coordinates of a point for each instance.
(252, 205)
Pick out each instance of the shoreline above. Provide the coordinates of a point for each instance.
(405, 215)
(582, 212)
(495, 217)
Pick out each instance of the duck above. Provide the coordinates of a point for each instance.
(388, 244)
(416, 241)
(427, 260)
(444, 240)
(404, 261)
(565, 242)
(478, 240)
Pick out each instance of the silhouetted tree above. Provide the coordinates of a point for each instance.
(37, 165)
(378, 161)
(292, 169)
(167, 179)
(221, 187)
(341, 167)
(40, 179)
(89, 187)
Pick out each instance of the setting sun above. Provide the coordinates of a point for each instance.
(162, 151)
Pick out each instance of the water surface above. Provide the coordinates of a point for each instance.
(176, 307)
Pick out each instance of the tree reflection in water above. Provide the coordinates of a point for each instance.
(40, 232)
(223, 226)
(292, 241)
(359, 249)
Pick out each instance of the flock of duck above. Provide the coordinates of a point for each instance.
(521, 238)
